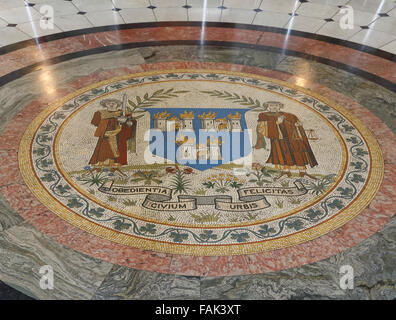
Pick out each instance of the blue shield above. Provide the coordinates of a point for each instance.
(201, 138)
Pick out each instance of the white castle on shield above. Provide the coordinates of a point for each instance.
(164, 121)
(189, 149)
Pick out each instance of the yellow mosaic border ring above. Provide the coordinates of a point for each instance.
(367, 194)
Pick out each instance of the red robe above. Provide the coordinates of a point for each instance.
(289, 142)
(109, 148)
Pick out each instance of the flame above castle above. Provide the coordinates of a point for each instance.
(236, 116)
(209, 115)
(161, 115)
(187, 115)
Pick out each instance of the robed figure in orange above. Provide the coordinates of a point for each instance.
(113, 131)
(290, 148)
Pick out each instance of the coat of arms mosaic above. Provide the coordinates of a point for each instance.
(201, 162)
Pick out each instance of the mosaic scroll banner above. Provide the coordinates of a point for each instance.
(158, 197)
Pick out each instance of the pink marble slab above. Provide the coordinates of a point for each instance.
(47, 50)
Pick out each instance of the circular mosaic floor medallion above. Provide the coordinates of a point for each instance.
(201, 162)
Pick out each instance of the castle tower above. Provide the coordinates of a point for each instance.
(187, 120)
(222, 124)
(160, 119)
(208, 120)
(215, 149)
(234, 121)
(174, 124)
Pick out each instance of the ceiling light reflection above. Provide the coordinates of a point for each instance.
(290, 26)
(47, 82)
(300, 82)
(203, 25)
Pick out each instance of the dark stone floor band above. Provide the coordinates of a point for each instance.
(364, 74)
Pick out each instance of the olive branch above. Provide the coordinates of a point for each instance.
(236, 98)
(137, 107)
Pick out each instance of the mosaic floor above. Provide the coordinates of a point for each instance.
(165, 179)
(151, 163)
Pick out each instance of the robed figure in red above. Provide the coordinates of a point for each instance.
(290, 148)
(113, 131)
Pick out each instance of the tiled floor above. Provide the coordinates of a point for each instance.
(295, 41)
(373, 21)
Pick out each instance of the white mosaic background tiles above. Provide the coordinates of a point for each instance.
(374, 20)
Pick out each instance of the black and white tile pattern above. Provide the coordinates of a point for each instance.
(20, 19)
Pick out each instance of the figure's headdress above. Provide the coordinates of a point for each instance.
(280, 104)
(105, 101)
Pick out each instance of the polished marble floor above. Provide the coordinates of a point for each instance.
(295, 50)
(373, 23)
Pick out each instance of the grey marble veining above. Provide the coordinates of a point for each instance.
(24, 250)
(373, 262)
(125, 284)
(166, 53)
(8, 217)
(235, 55)
(74, 69)
(243, 56)
(12, 100)
(261, 59)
